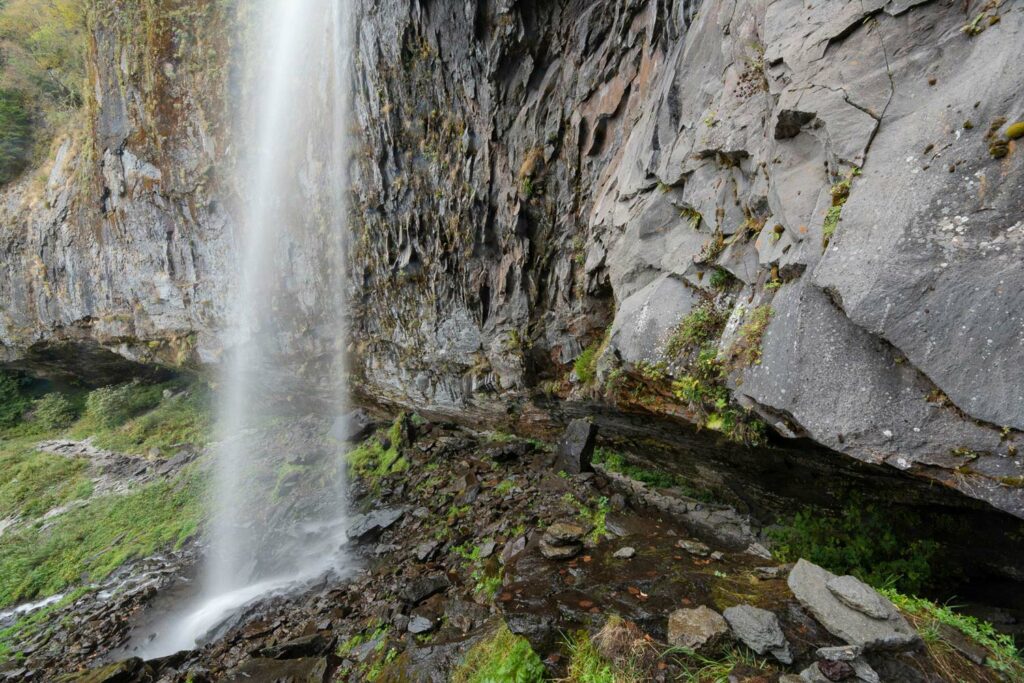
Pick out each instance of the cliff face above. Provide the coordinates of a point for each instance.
(829, 184)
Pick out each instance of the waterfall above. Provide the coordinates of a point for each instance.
(286, 328)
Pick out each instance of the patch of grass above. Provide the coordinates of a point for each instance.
(586, 665)
(746, 350)
(586, 364)
(698, 668)
(500, 658)
(862, 539)
(486, 574)
(699, 328)
(32, 482)
(722, 279)
(704, 390)
(88, 543)
(379, 633)
(927, 617)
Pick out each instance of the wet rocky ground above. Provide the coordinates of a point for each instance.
(456, 533)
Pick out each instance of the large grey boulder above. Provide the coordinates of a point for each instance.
(759, 630)
(850, 609)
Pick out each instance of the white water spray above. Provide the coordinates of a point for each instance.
(287, 329)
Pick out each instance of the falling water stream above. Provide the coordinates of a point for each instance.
(286, 330)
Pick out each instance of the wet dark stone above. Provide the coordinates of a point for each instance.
(418, 590)
(576, 447)
(306, 646)
(368, 526)
(262, 670)
(353, 426)
(508, 452)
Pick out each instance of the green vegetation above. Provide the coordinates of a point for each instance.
(487, 574)
(701, 327)
(586, 364)
(616, 462)
(89, 542)
(595, 516)
(136, 419)
(746, 350)
(500, 658)
(698, 668)
(15, 134)
(55, 411)
(114, 405)
(586, 665)
(379, 455)
(13, 403)
(43, 49)
(862, 539)
(722, 279)
(929, 619)
(32, 482)
(840, 192)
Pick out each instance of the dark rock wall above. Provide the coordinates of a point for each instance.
(532, 178)
(539, 175)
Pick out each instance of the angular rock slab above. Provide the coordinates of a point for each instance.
(576, 447)
(696, 629)
(759, 630)
(811, 586)
(261, 670)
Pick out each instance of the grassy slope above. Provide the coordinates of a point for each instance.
(92, 538)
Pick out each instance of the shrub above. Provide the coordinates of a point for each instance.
(861, 539)
(703, 325)
(112, 406)
(586, 364)
(55, 411)
(12, 403)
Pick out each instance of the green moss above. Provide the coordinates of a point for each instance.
(500, 658)
(722, 279)
(372, 461)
